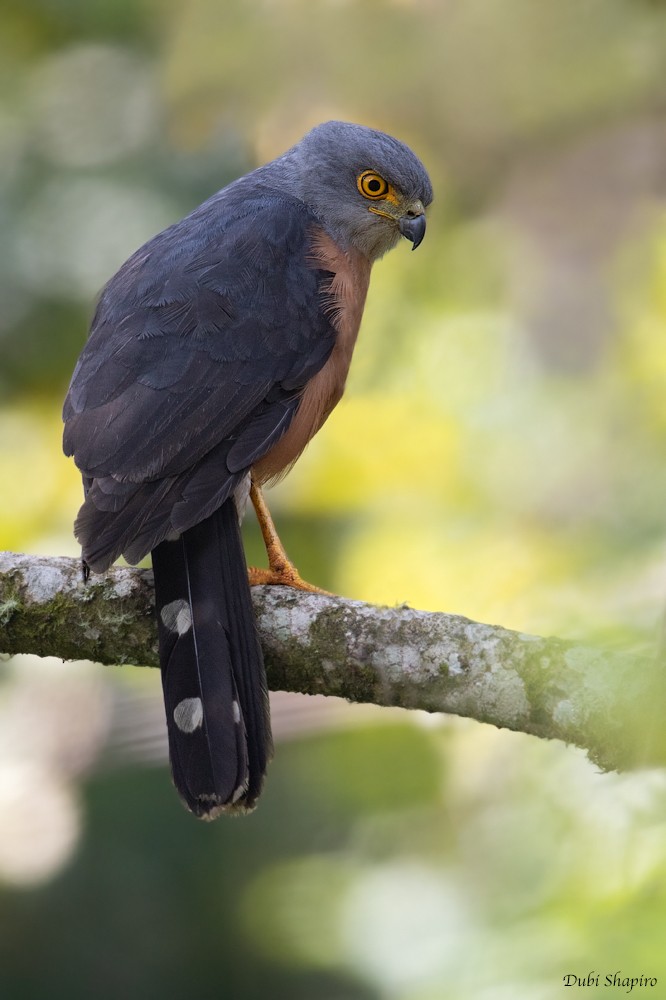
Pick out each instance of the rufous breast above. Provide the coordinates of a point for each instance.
(343, 301)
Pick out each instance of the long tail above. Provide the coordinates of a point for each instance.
(213, 674)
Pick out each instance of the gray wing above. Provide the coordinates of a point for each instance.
(198, 353)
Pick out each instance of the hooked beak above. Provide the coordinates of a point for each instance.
(413, 228)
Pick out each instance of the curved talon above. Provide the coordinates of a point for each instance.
(284, 576)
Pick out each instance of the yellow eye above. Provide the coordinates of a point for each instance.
(372, 185)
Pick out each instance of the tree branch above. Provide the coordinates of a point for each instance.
(608, 703)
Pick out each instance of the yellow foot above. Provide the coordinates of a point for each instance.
(282, 571)
(285, 576)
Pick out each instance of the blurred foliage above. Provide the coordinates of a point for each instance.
(499, 453)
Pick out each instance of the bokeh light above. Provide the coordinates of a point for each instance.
(499, 453)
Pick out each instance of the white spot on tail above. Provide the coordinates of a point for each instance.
(236, 710)
(188, 714)
(177, 616)
(239, 793)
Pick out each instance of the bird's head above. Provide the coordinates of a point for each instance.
(366, 187)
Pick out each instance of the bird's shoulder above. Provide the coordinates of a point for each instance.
(227, 244)
(232, 282)
(216, 316)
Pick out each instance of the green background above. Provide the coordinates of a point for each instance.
(499, 453)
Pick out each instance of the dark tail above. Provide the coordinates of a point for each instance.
(213, 674)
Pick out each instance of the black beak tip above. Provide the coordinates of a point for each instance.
(413, 228)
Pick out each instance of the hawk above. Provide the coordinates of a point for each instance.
(215, 354)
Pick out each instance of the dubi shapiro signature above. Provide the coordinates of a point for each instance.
(617, 979)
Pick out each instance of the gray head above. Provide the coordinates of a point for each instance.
(366, 187)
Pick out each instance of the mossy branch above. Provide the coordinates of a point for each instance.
(608, 703)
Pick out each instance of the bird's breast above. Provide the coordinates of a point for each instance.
(343, 299)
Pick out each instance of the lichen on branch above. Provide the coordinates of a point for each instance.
(608, 703)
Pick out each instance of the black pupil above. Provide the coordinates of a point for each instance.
(374, 185)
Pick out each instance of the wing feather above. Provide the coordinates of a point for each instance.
(199, 349)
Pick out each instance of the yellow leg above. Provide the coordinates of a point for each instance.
(281, 571)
